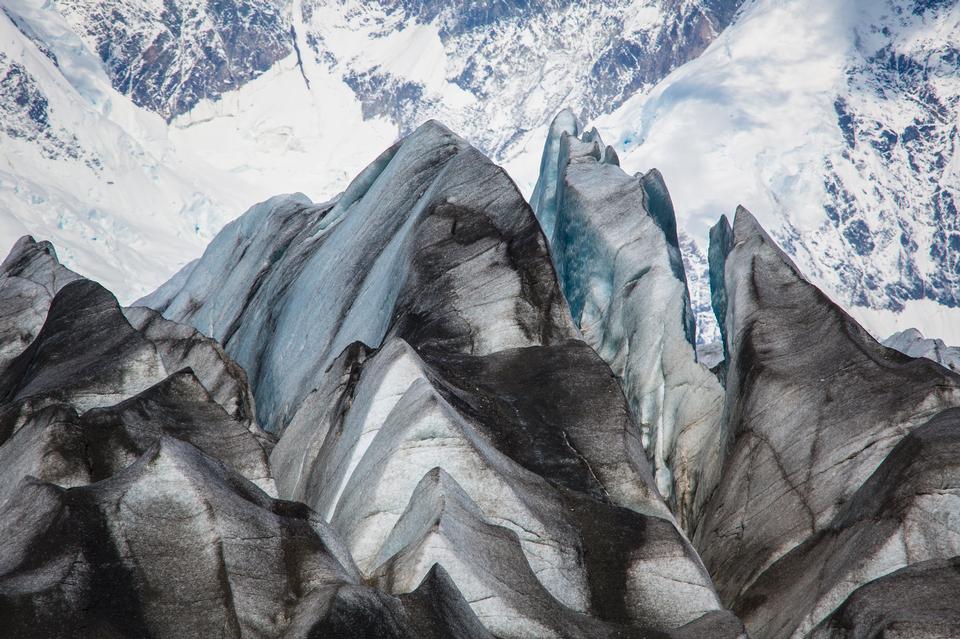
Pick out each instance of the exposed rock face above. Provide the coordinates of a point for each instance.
(614, 241)
(828, 464)
(167, 57)
(509, 61)
(435, 404)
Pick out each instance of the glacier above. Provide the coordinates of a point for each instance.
(913, 343)
(424, 395)
(156, 122)
(146, 138)
(82, 165)
(436, 343)
(409, 411)
(613, 240)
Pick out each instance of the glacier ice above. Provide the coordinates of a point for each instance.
(820, 418)
(908, 600)
(474, 430)
(29, 278)
(913, 343)
(136, 501)
(394, 206)
(613, 238)
(905, 513)
(440, 342)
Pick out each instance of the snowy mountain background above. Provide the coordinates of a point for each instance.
(132, 132)
(165, 119)
(836, 124)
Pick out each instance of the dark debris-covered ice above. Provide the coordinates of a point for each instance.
(419, 411)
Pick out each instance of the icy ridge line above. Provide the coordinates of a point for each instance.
(409, 412)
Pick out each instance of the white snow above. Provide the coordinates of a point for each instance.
(749, 122)
(276, 135)
(934, 320)
(130, 209)
(746, 122)
(753, 121)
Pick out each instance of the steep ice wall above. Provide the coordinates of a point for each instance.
(464, 463)
(825, 439)
(137, 500)
(286, 279)
(613, 239)
(411, 346)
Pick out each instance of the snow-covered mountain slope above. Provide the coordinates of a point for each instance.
(169, 55)
(134, 131)
(83, 166)
(279, 135)
(837, 124)
(497, 70)
(834, 122)
(363, 74)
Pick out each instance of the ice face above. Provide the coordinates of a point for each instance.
(544, 200)
(418, 323)
(913, 343)
(614, 243)
(126, 434)
(721, 242)
(813, 406)
(306, 298)
(660, 208)
(438, 403)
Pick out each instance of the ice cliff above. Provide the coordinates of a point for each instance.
(418, 410)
